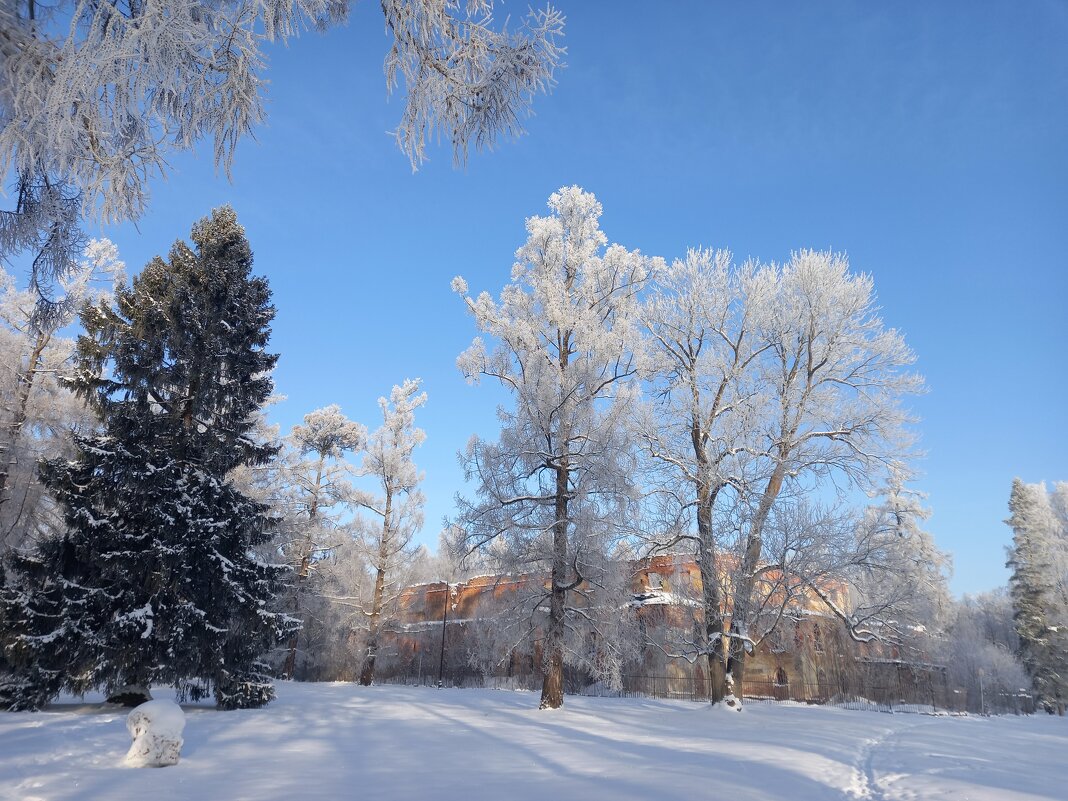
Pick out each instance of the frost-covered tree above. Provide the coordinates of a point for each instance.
(318, 478)
(1039, 590)
(335, 631)
(35, 408)
(703, 319)
(44, 227)
(393, 511)
(978, 647)
(155, 579)
(834, 376)
(95, 95)
(326, 597)
(898, 578)
(448, 562)
(770, 380)
(553, 491)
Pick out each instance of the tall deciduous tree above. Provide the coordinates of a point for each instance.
(834, 377)
(395, 507)
(554, 487)
(704, 319)
(769, 380)
(155, 579)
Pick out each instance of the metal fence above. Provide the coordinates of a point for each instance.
(903, 696)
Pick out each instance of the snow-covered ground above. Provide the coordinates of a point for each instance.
(337, 741)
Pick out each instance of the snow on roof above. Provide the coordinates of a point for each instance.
(660, 598)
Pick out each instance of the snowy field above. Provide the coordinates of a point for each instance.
(338, 741)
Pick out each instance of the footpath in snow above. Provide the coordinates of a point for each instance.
(339, 741)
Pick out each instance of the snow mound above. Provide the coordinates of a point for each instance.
(156, 728)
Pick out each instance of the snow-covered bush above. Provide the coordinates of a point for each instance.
(247, 689)
(156, 728)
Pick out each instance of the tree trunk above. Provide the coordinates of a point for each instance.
(552, 689)
(711, 596)
(743, 596)
(367, 674)
(290, 667)
(13, 432)
(711, 590)
(735, 668)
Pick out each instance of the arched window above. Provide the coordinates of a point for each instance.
(817, 639)
(781, 679)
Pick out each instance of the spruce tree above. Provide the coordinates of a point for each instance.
(1037, 613)
(155, 580)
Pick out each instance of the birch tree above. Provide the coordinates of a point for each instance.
(97, 95)
(555, 487)
(394, 510)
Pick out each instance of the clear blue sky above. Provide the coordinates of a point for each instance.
(927, 140)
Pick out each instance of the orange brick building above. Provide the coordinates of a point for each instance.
(808, 652)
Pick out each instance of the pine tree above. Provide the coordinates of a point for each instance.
(155, 580)
(1033, 586)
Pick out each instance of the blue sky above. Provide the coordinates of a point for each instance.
(926, 140)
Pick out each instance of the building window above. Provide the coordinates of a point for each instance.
(781, 679)
(817, 639)
(655, 581)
